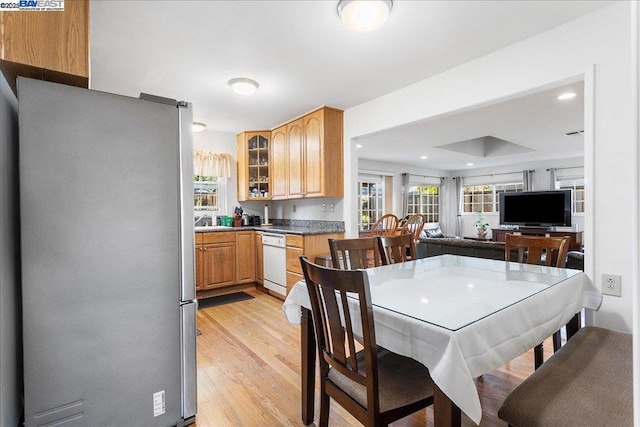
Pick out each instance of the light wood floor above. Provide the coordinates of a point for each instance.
(249, 371)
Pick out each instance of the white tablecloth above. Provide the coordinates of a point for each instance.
(457, 355)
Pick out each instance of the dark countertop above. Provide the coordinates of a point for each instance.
(280, 229)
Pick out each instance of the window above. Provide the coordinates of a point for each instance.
(576, 185)
(486, 198)
(209, 193)
(370, 201)
(425, 200)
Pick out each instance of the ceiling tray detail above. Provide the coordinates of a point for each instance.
(486, 146)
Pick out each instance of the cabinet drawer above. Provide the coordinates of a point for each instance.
(292, 279)
(219, 237)
(295, 241)
(293, 260)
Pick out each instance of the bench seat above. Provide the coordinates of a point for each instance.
(588, 382)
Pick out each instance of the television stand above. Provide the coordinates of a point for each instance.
(575, 237)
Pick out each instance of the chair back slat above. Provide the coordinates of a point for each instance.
(386, 225)
(354, 254)
(414, 225)
(395, 249)
(327, 288)
(531, 249)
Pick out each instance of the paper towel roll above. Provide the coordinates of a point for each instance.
(266, 214)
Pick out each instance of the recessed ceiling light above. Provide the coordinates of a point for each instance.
(469, 164)
(198, 126)
(364, 15)
(567, 95)
(243, 86)
(423, 157)
(358, 145)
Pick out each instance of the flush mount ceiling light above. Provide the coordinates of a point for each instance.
(423, 157)
(243, 86)
(358, 145)
(567, 95)
(364, 15)
(198, 126)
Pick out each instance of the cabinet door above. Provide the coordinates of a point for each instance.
(219, 261)
(259, 266)
(199, 267)
(254, 181)
(279, 163)
(245, 257)
(56, 41)
(313, 155)
(295, 159)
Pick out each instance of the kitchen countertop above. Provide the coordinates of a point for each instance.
(281, 229)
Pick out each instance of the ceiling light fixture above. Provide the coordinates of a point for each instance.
(469, 164)
(567, 95)
(423, 157)
(364, 15)
(198, 126)
(243, 86)
(358, 145)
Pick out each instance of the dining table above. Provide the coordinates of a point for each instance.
(459, 316)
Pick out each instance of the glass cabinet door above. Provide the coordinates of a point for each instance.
(258, 158)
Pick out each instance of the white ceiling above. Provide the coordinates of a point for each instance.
(303, 57)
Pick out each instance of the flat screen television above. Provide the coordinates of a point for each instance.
(536, 208)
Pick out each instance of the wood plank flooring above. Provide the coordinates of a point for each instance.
(249, 371)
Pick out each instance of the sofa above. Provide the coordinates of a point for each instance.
(433, 246)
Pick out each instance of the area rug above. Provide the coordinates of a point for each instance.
(223, 299)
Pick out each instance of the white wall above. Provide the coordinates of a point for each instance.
(602, 39)
(10, 303)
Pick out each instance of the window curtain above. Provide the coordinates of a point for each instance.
(552, 179)
(444, 198)
(405, 194)
(527, 180)
(208, 163)
(458, 181)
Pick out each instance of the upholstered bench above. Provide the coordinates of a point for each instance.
(588, 382)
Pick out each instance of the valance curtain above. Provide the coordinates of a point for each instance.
(208, 163)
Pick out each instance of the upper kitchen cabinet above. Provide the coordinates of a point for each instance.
(279, 180)
(313, 155)
(254, 165)
(51, 46)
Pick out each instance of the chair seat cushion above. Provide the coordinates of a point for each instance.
(588, 382)
(401, 381)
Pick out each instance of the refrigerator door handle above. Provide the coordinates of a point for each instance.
(187, 240)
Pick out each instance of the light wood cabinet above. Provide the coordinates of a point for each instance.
(279, 175)
(215, 260)
(259, 258)
(310, 246)
(58, 41)
(312, 155)
(254, 165)
(295, 159)
(245, 257)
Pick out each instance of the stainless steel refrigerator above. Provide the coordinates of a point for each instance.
(106, 204)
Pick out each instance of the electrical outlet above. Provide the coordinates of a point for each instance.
(324, 207)
(611, 284)
(294, 208)
(331, 207)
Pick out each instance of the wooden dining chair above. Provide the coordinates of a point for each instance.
(351, 254)
(395, 249)
(375, 385)
(549, 251)
(414, 225)
(386, 225)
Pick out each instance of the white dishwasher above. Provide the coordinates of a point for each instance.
(274, 262)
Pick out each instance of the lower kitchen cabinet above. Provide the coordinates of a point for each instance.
(310, 245)
(215, 260)
(245, 257)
